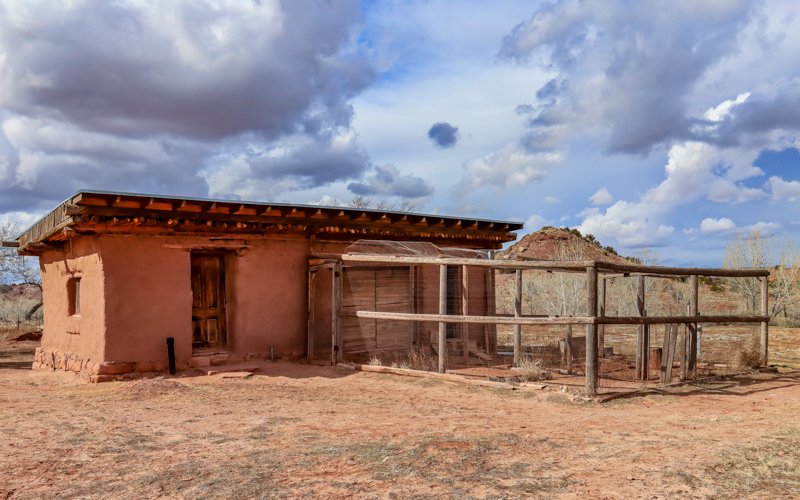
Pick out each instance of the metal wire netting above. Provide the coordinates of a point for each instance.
(487, 349)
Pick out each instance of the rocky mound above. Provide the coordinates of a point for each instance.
(548, 242)
(13, 292)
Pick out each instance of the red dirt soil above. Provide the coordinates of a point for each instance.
(331, 432)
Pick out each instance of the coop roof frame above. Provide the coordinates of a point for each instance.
(602, 267)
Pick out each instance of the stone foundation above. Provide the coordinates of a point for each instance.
(95, 372)
(107, 371)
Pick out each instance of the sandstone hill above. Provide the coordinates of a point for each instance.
(14, 292)
(546, 243)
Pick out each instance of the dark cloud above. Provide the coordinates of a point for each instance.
(289, 165)
(761, 112)
(443, 135)
(187, 68)
(630, 66)
(388, 181)
(147, 96)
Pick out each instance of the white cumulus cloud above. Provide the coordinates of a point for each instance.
(601, 197)
(717, 225)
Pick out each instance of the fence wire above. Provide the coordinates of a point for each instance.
(558, 351)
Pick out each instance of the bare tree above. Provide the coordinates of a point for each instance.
(405, 206)
(753, 251)
(784, 288)
(360, 201)
(383, 204)
(15, 268)
(623, 292)
(557, 293)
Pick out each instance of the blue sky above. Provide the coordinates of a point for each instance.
(672, 124)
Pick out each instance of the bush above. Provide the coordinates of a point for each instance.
(530, 370)
(749, 354)
(785, 321)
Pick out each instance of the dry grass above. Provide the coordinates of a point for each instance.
(770, 469)
(422, 361)
(748, 356)
(530, 370)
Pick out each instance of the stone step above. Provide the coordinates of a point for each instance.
(215, 370)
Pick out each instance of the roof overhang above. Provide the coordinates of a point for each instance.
(92, 212)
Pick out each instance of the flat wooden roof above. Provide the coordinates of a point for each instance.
(87, 210)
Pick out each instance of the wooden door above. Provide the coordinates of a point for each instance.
(208, 301)
(384, 289)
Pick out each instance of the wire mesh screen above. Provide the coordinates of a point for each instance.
(630, 356)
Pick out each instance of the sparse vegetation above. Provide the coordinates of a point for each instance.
(530, 370)
(748, 356)
(769, 469)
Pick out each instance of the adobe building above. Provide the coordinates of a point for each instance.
(228, 280)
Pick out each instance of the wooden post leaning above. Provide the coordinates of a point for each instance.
(668, 352)
(517, 314)
(765, 324)
(442, 324)
(591, 333)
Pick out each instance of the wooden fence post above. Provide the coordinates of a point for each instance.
(642, 346)
(412, 307)
(601, 329)
(311, 288)
(568, 348)
(442, 324)
(338, 297)
(465, 311)
(591, 332)
(765, 324)
(517, 314)
(693, 311)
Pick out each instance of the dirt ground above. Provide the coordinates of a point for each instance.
(298, 431)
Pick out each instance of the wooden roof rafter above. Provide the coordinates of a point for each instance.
(99, 207)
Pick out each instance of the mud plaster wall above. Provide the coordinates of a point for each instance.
(84, 334)
(267, 292)
(148, 298)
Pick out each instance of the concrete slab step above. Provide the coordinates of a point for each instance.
(215, 370)
(235, 374)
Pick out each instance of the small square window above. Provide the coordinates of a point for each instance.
(74, 293)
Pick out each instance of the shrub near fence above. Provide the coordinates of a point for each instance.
(13, 316)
